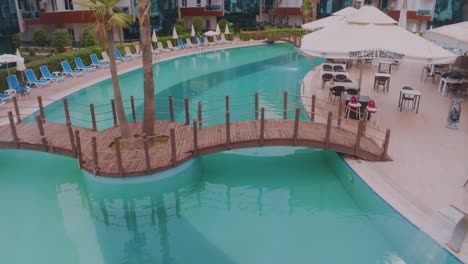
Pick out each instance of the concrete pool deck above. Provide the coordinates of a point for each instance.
(430, 161)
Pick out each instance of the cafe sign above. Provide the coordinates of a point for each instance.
(376, 54)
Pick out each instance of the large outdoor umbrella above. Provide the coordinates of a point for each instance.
(10, 58)
(154, 38)
(174, 34)
(193, 32)
(210, 33)
(20, 64)
(403, 9)
(371, 34)
(337, 17)
(453, 36)
(226, 30)
(218, 31)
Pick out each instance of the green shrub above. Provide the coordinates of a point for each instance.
(16, 40)
(180, 26)
(222, 24)
(32, 51)
(197, 24)
(87, 38)
(60, 39)
(40, 38)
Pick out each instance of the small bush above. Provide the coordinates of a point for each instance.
(16, 40)
(40, 38)
(197, 24)
(222, 24)
(60, 39)
(87, 38)
(32, 51)
(180, 26)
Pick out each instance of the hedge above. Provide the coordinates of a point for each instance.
(272, 34)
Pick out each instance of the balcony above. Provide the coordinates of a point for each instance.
(395, 14)
(208, 10)
(30, 14)
(213, 7)
(286, 11)
(61, 17)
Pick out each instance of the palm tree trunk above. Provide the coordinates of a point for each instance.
(148, 81)
(121, 117)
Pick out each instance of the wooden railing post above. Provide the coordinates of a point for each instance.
(285, 105)
(227, 103)
(364, 119)
(147, 154)
(340, 112)
(79, 155)
(358, 137)
(17, 112)
(72, 139)
(171, 109)
(118, 156)
(13, 128)
(93, 117)
(228, 130)
(256, 105)
(114, 113)
(195, 138)
(187, 111)
(132, 103)
(385, 144)
(41, 108)
(328, 131)
(296, 126)
(41, 132)
(200, 121)
(262, 126)
(67, 112)
(95, 155)
(312, 109)
(173, 148)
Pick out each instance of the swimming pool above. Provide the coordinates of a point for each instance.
(260, 205)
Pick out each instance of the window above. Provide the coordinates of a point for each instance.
(198, 2)
(184, 3)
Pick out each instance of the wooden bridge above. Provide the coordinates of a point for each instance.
(104, 153)
(295, 40)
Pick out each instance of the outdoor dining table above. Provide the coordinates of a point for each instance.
(381, 74)
(443, 84)
(346, 85)
(335, 64)
(334, 73)
(416, 94)
(363, 100)
(385, 64)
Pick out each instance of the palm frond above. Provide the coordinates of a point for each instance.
(119, 19)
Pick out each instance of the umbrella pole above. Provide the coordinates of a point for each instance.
(360, 79)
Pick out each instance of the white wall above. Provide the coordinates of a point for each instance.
(290, 3)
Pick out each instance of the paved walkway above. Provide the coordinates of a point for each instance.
(430, 162)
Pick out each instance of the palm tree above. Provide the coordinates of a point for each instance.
(309, 9)
(148, 81)
(109, 18)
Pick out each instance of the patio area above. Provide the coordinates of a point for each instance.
(429, 165)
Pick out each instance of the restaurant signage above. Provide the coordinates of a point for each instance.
(376, 54)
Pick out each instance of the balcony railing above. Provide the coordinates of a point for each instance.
(213, 7)
(30, 14)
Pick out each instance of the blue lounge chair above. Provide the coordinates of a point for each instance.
(46, 75)
(4, 97)
(181, 44)
(32, 80)
(119, 56)
(97, 63)
(13, 84)
(80, 65)
(67, 70)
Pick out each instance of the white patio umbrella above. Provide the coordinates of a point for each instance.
(193, 32)
(174, 34)
(154, 38)
(337, 17)
(20, 64)
(10, 58)
(226, 30)
(210, 33)
(371, 34)
(218, 31)
(403, 9)
(453, 36)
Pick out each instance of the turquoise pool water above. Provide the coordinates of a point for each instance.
(260, 205)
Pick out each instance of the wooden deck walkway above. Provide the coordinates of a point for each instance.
(102, 153)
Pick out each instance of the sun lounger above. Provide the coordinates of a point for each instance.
(32, 80)
(138, 50)
(216, 41)
(161, 48)
(129, 53)
(169, 45)
(119, 56)
(46, 75)
(97, 63)
(4, 97)
(181, 44)
(13, 84)
(67, 70)
(80, 65)
(155, 51)
(223, 39)
(105, 57)
(189, 43)
(207, 42)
